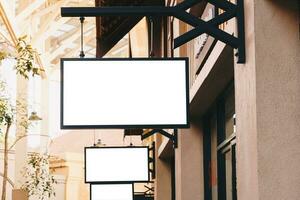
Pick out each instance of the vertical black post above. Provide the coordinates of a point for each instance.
(165, 36)
(175, 140)
(241, 32)
(172, 36)
(233, 157)
(173, 177)
(81, 55)
(151, 51)
(152, 160)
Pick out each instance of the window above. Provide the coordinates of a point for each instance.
(220, 149)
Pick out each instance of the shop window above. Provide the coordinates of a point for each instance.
(220, 149)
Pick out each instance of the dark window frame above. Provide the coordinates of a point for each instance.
(224, 145)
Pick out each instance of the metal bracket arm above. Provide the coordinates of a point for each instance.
(152, 160)
(179, 11)
(149, 189)
(173, 137)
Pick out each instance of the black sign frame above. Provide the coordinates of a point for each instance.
(91, 185)
(118, 182)
(145, 126)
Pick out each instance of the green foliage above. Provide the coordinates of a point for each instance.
(26, 59)
(39, 181)
(6, 110)
(25, 56)
(8, 113)
(3, 55)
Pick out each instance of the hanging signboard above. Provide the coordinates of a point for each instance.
(124, 93)
(116, 164)
(111, 192)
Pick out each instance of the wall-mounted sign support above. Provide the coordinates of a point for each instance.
(149, 190)
(179, 11)
(152, 160)
(147, 195)
(173, 137)
(81, 55)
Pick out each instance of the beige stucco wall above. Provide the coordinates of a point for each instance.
(267, 103)
(59, 187)
(245, 99)
(139, 39)
(189, 165)
(69, 173)
(162, 183)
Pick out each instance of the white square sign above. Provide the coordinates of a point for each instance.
(112, 192)
(116, 164)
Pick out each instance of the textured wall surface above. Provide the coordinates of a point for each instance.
(189, 165)
(267, 103)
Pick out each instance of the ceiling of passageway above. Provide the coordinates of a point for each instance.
(53, 36)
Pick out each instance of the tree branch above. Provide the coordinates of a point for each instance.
(23, 136)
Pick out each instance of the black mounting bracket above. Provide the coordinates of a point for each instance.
(173, 137)
(147, 194)
(149, 191)
(179, 11)
(152, 160)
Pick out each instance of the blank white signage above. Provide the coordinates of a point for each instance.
(121, 164)
(116, 93)
(112, 192)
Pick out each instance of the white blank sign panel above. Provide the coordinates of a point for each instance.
(112, 192)
(122, 93)
(116, 164)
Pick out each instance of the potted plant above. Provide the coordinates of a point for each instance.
(39, 182)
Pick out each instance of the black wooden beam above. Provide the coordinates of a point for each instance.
(241, 54)
(117, 11)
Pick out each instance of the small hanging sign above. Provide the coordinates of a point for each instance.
(112, 192)
(106, 165)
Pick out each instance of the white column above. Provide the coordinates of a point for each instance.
(44, 114)
(21, 145)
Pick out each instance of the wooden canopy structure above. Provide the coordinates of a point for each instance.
(110, 30)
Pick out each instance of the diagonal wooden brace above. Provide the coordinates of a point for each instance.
(211, 27)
